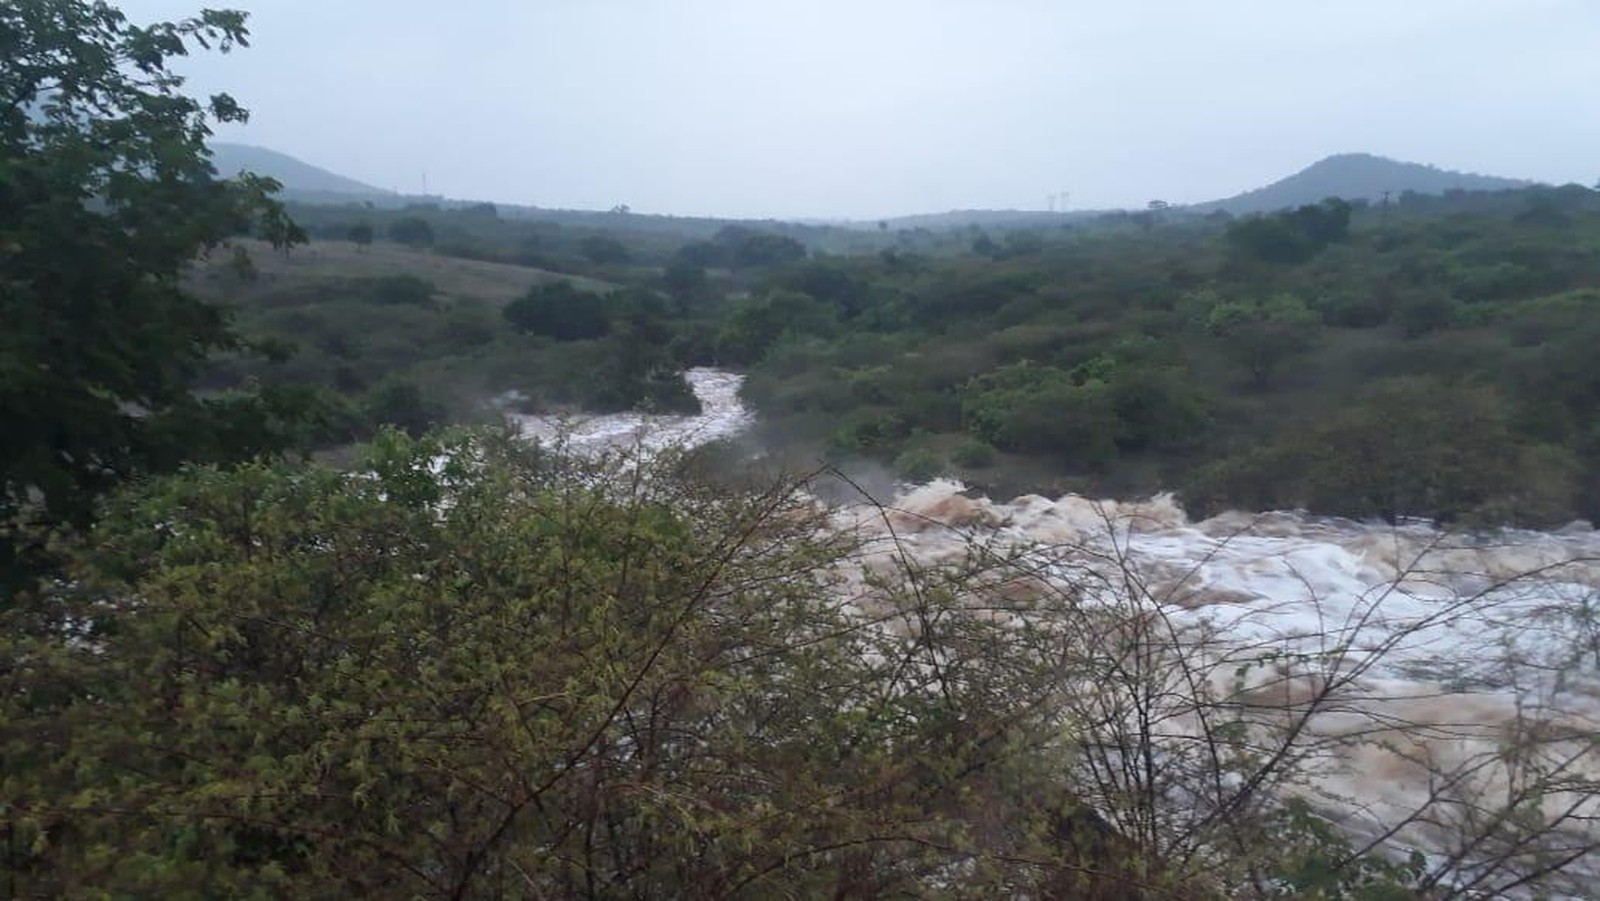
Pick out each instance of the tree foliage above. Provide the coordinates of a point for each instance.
(1294, 236)
(604, 250)
(560, 311)
(106, 193)
(1263, 335)
(471, 668)
(413, 231)
(754, 325)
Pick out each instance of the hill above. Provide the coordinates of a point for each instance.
(1354, 176)
(301, 180)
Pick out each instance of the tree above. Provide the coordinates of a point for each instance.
(560, 311)
(1414, 446)
(106, 193)
(472, 668)
(755, 324)
(1262, 335)
(360, 233)
(834, 281)
(1293, 236)
(401, 404)
(412, 231)
(1425, 311)
(702, 254)
(604, 250)
(1031, 408)
(762, 249)
(684, 280)
(747, 248)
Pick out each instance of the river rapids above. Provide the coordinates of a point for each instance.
(1466, 666)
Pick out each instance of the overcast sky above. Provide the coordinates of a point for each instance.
(868, 108)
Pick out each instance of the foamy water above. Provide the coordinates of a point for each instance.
(1402, 662)
(722, 416)
(1423, 682)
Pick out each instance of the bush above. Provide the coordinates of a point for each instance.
(919, 465)
(974, 454)
(1425, 312)
(604, 250)
(1037, 409)
(402, 404)
(469, 667)
(395, 290)
(412, 231)
(560, 311)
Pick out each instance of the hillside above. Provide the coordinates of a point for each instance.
(301, 180)
(1356, 176)
(324, 261)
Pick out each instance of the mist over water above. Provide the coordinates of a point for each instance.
(1447, 644)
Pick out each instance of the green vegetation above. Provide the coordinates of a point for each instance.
(467, 666)
(470, 669)
(1137, 353)
(105, 194)
(1140, 352)
(1438, 347)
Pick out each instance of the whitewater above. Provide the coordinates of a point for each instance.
(1423, 669)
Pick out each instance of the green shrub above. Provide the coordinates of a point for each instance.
(919, 465)
(974, 454)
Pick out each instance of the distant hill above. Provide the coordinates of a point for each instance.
(301, 180)
(1355, 176)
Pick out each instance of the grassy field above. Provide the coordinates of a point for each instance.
(319, 261)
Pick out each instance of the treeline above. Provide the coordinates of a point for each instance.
(426, 342)
(399, 350)
(1363, 361)
(602, 246)
(1427, 358)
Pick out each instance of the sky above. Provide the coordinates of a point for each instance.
(875, 108)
